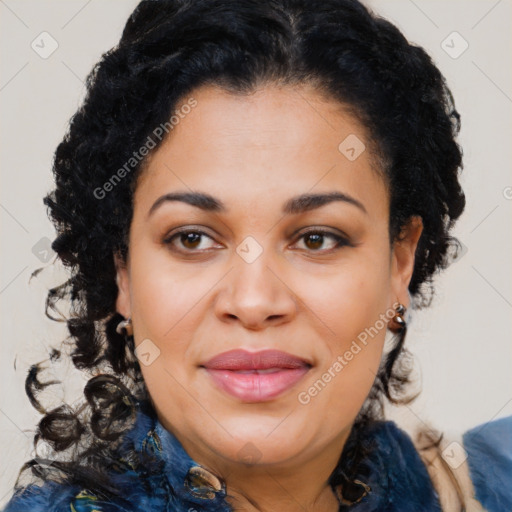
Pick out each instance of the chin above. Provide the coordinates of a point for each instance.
(261, 441)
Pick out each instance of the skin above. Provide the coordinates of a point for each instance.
(303, 295)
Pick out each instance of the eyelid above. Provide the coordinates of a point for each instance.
(340, 238)
(324, 231)
(187, 229)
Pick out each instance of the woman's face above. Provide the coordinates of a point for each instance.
(263, 262)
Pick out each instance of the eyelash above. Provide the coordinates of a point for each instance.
(341, 241)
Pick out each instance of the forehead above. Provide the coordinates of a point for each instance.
(272, 143)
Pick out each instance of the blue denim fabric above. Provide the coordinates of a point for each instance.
(489, 449)
(398, 479)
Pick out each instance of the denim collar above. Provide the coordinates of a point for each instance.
(190, 482)
(396, 477)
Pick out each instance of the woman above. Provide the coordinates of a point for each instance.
(250, 201)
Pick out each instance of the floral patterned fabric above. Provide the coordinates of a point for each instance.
(398, 480)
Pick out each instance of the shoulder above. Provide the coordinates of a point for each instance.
(61, 497)
(394, 471)
(134, 480)
(395, 442)
(49, 497)
(472, 471)
(489, 455)
(404, 461)
(407, 472)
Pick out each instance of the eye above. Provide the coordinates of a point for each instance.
(193, 240)
(190, 240)
(314, 240)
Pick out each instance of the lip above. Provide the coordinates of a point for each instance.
(239, 359)
(256, 376)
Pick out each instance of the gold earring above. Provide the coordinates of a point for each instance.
(397, 323)
(125, 327)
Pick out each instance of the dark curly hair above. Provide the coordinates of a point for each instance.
(168, 49)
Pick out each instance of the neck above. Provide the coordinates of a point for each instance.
(299, 484)
(268, 492)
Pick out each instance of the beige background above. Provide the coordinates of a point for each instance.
(462, 344)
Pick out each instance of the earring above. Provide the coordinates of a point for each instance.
(125, 327)
(397, 323)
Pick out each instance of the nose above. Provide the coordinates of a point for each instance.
(256, 295)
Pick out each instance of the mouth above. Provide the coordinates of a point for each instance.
(256, 376)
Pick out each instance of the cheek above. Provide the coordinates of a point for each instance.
(354, 311)
(340, 310)
(165, 301)
(349, 300)
(164, 295)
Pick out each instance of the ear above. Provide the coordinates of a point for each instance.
(402, 259)
(123, 301)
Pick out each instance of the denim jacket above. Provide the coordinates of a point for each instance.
(398, 480)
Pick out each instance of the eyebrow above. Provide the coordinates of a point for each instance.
(294, 206)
